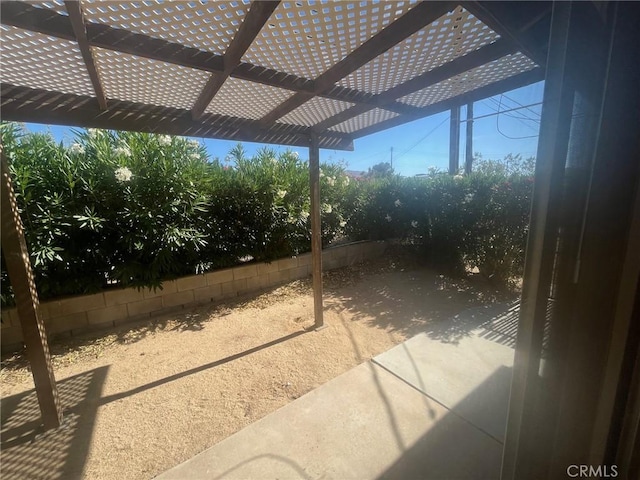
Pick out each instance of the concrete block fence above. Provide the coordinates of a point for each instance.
(76, 315)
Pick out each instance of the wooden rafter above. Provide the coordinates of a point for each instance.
(479, 57)
(502, 21)
(28, 17)
(19, 104)
(511, 83)
(411, 22)
(258, 14)
(77, 22)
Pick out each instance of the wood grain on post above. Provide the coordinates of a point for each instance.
(316, 230)
(16, 256)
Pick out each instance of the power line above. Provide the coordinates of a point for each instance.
(519, 104)
(502, 133)
(524, 116)
(521, 116)
(422, 139)
(503, 112)
(375, 155)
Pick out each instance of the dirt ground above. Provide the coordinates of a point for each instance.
(142, 399)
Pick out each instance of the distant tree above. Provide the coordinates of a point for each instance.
(380, 170)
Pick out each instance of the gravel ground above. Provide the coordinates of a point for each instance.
(142, 399)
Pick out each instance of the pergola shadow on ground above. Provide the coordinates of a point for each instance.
(445, 308)
(433, 451)
(424, 409)
(30, 452)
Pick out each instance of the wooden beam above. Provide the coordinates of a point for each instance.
(479, 57)
(417, 18)
(256, 17)
(316, 229)
(49, 22)
(23, 104)
(468, 158)
(508, 22)
(454, 141)
(34, 333)
(77, 22)
(501, 86)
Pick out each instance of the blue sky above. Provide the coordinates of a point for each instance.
(421, 144)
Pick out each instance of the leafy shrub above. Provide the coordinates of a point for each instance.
(458, 222)
(134, 209)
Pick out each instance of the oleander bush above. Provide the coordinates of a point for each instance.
(134, 209)
(457, 222)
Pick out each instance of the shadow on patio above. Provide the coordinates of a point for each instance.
(416, 299)
(28, 452)
(452, 448)
(426, 409)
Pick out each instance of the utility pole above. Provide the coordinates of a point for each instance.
(469, 150)
(454, 141)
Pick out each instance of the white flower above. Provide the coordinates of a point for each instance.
(414, 223)
(123, 174)
(331, 181)
(273, 160)
(164, 140)
(281, 193)
(326, 208)
(397, 203)
(123, 150)
(304, 215)
(458, 177)
(93, 132)
(346, 180)
(343, 224)
(295, 154)
(468, 197)
(321, 173)
(77, 148)
(194, 156)
(388, 217)
(194, 143)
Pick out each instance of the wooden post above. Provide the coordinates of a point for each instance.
(316, 229)
(16, 256)
(468, 161)
(454, 141)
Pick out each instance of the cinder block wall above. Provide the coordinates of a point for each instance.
(75, 315)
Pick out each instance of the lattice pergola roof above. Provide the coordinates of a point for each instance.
(270, 72)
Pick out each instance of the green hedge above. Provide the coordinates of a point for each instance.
(134, 209)
(457, 222)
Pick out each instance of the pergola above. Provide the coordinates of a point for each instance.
(303, 73)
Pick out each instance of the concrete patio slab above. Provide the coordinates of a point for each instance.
(364, 424)
(470, 376)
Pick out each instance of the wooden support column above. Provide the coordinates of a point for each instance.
(316, 229)
(454, 141)
(16, 256)
(468, 160)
